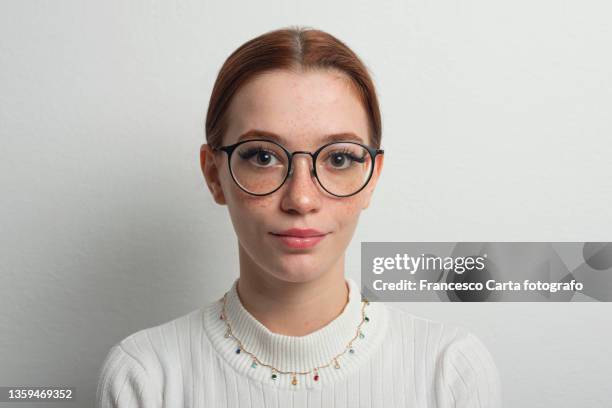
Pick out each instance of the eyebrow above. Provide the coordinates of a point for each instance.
(334, 137)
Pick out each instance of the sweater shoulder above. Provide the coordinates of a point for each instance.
(462, 368)
(467, 374)
(424, 330)
(158, 349)
(124, 382)
(442, 339)
(148, 362)
(164, 335)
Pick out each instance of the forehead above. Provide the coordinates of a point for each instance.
(302, 109)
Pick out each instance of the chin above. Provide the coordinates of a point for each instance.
(296, 275)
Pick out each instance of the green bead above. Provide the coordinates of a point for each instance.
(351, 351)
(367, 319)
(254, 365)
(361, 335)
(274, 376)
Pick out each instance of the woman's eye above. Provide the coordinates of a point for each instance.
(259, 157)
(343, 160)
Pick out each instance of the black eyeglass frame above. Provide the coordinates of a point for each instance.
(229, 149)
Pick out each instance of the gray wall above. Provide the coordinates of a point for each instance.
(496, 128)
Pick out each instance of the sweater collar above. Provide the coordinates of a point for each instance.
(297, 353)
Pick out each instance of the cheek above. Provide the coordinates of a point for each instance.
(347, 212)
(353, 205)
(248, 212)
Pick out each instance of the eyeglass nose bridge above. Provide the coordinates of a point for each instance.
(293, 154)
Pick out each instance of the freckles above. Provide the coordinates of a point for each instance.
(348, 208)
(255, 203)
(245, 199)
(352, 204)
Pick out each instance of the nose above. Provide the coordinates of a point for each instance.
(301, 193)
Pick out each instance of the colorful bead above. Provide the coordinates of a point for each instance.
(238, 350)
(367, 319)
(294, 381)
(254, 364)
(351, 351)
(274, 376)
(361, 335)
(316, 377)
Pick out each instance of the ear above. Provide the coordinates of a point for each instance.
(378, 166)
(210, 170)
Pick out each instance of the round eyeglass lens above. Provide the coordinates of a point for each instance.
(344, 168)
(259, 167)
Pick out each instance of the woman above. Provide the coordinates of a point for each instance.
(293, 330)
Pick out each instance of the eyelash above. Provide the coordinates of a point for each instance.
(253, 151)
(349, 154)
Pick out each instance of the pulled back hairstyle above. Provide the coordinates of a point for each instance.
(295, 49)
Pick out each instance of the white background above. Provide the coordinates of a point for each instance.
(496, 127)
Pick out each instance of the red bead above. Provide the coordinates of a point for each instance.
(316, 377)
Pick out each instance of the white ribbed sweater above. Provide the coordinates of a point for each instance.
(402, 361)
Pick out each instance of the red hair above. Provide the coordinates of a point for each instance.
(296, 49)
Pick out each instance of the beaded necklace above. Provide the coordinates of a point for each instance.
(275, 371)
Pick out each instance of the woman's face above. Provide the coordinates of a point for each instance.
(301, 108)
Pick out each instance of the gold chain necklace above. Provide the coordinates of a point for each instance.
(275, 371)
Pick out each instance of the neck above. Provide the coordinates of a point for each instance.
(291, 308)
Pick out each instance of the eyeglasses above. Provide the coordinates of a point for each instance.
(260, 166)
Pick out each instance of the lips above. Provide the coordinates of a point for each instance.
(298, 238)
(300, 232)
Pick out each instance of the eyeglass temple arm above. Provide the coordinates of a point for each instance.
(221, 149)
